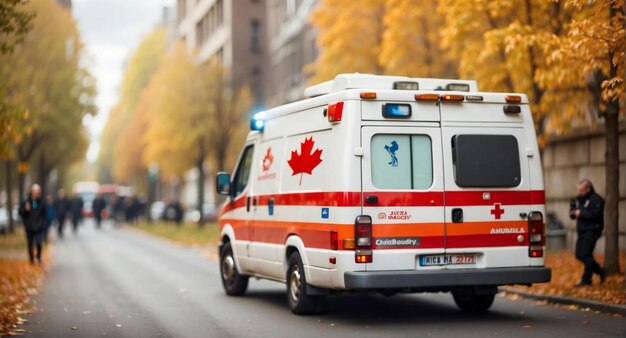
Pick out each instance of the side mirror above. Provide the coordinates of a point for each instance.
(222, 183)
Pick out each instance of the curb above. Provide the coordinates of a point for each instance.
(583, 303)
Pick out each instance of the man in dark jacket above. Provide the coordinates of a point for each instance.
(76, 208)
(99, 204)
(33, 213)
(61, 209)
(588, 210)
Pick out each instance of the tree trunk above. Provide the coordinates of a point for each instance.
(611, 246)
(9, 190)
(201, 178)
(43, 176)
(21, 178)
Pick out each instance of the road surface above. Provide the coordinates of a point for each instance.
(121, 283)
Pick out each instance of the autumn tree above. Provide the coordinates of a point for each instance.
(122, 146)
(594, 49)
(43, 76)
(15, 22)
(194, 114)
(120, 149)
(411, 41)
(350, 38)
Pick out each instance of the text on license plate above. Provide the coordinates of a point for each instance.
(447, 259)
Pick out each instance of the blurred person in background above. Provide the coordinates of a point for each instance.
(50, 216)
(99, 205)
(76, 208)
(61, 209)
(33, 213)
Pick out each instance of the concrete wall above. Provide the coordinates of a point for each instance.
(567, 160)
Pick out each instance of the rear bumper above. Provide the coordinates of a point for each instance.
(445, 278)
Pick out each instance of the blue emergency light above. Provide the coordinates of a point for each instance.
(257, 123)
(397, 110)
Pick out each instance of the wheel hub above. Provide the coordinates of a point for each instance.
(295, 284)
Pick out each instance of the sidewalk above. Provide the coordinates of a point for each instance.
(609, 297)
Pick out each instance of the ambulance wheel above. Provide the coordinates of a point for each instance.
(234, 283)
(299, 301)
(470, 301)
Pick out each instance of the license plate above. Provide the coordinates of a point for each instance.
(447, 259)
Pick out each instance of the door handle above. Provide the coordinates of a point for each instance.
(457, 215)
(373, 199)
(247, 203)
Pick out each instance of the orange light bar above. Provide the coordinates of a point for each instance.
(427, 97)
(368, 95)
(513, 99)
(452, 97)
(348, 243)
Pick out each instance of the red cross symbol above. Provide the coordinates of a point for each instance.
(496, 211)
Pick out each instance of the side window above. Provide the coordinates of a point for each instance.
(243, 171)
(401, 161)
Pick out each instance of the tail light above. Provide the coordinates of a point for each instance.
(334, 240)
(536, 237)
(363, 238)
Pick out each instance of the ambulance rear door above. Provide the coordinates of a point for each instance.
(487, 186)
(402, 179)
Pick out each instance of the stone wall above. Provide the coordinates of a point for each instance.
(567, 160)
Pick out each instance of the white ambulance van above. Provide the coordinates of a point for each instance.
(387, 184)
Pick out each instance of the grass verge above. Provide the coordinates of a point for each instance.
(567, 271)
(19, 280)
(186, 234)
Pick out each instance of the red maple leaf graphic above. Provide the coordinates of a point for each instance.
(307, 160)
(267, 160)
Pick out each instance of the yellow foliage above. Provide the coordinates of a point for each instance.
(410, 45)
(120, 142)
(44, 84)
(193, 114)
(350, 37)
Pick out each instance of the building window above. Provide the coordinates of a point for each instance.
(200, 32)
(181, 9)
(219, 10)
(255, 35)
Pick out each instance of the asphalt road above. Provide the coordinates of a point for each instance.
(121, 283)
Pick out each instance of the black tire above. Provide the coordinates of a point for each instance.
(471, 302)
(299, 301)
(234, 283)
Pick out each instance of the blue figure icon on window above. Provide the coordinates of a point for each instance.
(392, 152)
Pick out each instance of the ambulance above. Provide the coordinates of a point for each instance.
(387, 184)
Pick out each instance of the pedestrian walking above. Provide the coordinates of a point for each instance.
(32, 211)
(61, 209)
(99, 204)
(49, 206)
(588, 210)
(76, 209)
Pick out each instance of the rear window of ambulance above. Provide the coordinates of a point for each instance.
(402, 161)
(490, 161)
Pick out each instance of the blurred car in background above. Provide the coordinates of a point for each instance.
(109, 193)
(156, 210)
(209, 213)
(4, 218)
(87, 192)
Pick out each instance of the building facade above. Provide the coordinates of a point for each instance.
(231, 32)
(291, 47)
